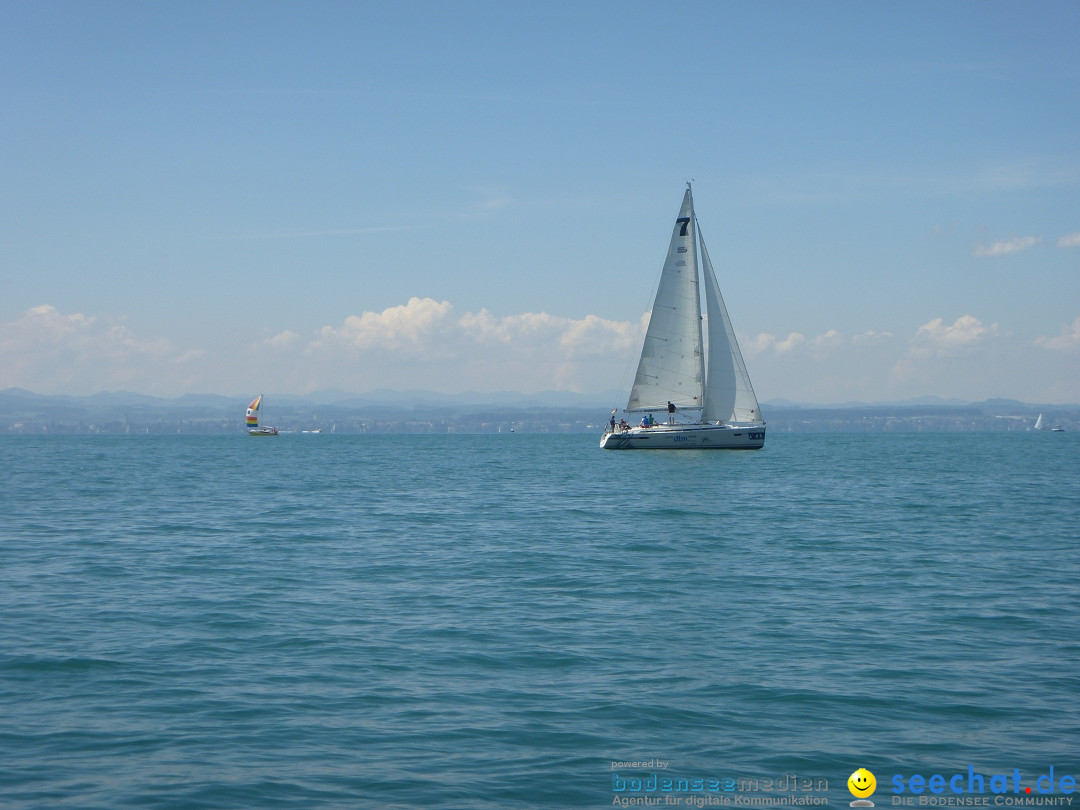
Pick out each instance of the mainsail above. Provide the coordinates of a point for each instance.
(672, 368)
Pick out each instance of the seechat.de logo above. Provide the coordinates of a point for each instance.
(862, 785)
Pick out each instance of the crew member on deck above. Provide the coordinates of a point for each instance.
(671, 412)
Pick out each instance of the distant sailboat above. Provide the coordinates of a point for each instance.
(253, 420)
(674, 374)
(1040, 424)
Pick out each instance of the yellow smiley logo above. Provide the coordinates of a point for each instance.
(861, 783)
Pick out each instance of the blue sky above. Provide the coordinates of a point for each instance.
(240, 197)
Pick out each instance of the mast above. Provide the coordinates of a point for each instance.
(698, 273)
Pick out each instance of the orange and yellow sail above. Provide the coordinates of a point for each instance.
(253, 412)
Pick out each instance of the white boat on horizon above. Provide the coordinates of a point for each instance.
(254, 429)
(1040, 424)
(701, 388)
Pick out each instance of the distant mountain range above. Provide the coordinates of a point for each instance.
(418, 411)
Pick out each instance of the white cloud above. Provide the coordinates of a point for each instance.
(964, 358)
(829, 340)
(422, 343)
(795, 341)
(426, 343)
(965, 332)
(283, 339)
(1069, 240)
(591, 336)
(426, 326)
(1068, 338)
(870, 338)
(765, 342)
(412, 328)
(944, 358)
(1016, 245)
(48, 351)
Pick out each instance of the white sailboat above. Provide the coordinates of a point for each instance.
(708, 401)
(254, 429)
(1040, 424)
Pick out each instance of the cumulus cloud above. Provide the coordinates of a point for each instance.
(1069, 240)
(590, 336)
(42, 326)
(1068, 338)
(829, 340)
(425, 326)
(795, 341)
(46, 350)
(966, 331)
(427, 343)
(430, 340)
(412, 328)
(870, 338)
(422, 343)
(283, 339)
(940, 354)
(1016, 245)
(765, 342)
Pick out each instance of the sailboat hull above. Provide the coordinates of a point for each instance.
(686, 437)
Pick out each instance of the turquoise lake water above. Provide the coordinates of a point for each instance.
(516, 621)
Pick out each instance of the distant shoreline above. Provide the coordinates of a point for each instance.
(26, 413)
